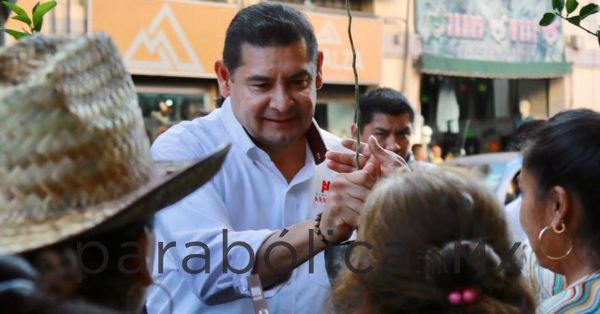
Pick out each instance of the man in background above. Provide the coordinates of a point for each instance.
(388, 116)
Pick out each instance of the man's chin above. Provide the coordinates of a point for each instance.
(283, 141)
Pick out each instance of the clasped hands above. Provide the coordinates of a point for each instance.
(349, 190)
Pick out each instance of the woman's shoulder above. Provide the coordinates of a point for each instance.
(579, 298)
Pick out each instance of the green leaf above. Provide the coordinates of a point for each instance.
(23, 19)
(558, 5)
(34, 7)
(588, 10)
(575, 20)
(571, 6)
(39, 12)
(17, 9)
(16, 34)
(547, 19)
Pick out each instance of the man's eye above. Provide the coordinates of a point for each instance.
(301, 83)
(259, 86)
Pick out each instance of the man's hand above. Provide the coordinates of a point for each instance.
(347, 195)
(372, 152)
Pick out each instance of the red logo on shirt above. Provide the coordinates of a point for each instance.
(325, 186)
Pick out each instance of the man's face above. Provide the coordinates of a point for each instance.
(391, 131)
(420, 154)
(273, 92)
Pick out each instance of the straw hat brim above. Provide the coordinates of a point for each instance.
(170, 183)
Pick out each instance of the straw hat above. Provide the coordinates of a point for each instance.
(74, 156)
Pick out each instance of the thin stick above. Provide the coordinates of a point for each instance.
(585, 29)
(356, 90)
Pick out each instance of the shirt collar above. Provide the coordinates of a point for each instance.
(242, 139)
(409, 156)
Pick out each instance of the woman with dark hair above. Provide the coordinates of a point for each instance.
(560, 211)
(432, 243)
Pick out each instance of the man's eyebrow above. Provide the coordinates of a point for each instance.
(302, 74)
(405, 130)
(382, 129)
(258, 78)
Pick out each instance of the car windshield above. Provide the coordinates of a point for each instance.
(491, 173)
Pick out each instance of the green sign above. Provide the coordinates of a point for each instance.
(495, 31)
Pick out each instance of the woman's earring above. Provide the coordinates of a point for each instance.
(557, 230)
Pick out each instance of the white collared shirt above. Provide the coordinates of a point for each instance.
(249, 198)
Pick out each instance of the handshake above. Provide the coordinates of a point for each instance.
(350, 189)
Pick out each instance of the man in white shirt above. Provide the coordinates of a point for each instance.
(257, 214)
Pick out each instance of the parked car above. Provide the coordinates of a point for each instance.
(498, 170)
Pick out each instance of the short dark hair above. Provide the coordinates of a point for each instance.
(416, 146)
(565, 151)
(266, 25)
(383, 100)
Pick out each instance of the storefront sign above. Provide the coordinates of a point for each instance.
(491, 30)
(169, 38)
(184, 38)
(332, 36)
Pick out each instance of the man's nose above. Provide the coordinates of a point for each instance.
(391, 143)
(281, 99)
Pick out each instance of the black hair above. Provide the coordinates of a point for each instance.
(565, 151)
(383, 100)
(266, 25)
(416, 146)
(523, 132)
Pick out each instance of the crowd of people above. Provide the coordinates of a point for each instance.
(285, 217)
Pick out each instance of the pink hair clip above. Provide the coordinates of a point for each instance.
(466, 296)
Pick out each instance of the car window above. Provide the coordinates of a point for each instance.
(490, 173)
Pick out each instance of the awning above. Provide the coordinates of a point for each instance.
(493, 69)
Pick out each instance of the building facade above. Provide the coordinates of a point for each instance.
(474, 70)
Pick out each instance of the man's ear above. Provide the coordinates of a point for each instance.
(319, 75)
(353, 130)
(223, 78)
(560, 204)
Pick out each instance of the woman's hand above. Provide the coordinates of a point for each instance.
(387, 161)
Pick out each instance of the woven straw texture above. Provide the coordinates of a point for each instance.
(73, 150)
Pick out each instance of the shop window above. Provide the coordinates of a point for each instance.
(160, 111)
(476, 115)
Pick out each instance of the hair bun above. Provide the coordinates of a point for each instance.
(460, 264)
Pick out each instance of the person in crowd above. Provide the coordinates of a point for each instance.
(419, 152)
(258, 215)
(432, 242)
(388, 116)
(20, 292)
(78, 187)
(560, 181)
(436, 154)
